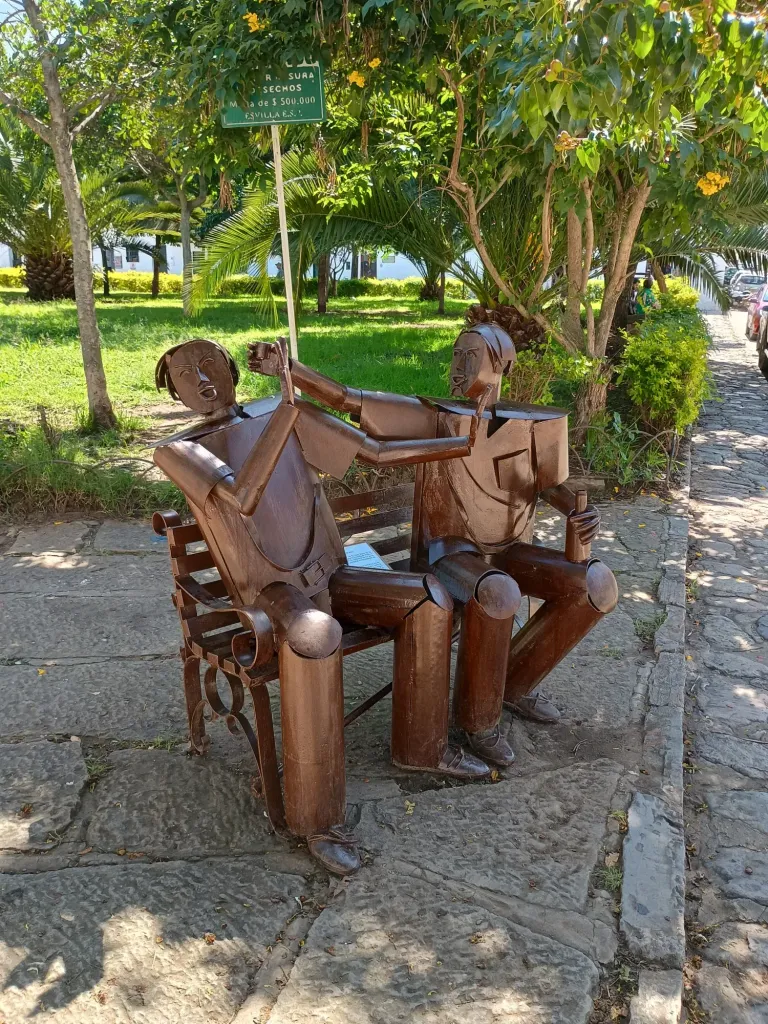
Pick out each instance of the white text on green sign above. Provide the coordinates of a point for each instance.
(296, 96)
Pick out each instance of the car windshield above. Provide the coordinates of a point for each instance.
(750, 280)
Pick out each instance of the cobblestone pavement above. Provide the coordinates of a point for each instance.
(140, 885)
(727, 707)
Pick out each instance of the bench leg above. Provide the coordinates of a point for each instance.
(193, 695)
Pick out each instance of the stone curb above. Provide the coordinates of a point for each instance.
(653, 891)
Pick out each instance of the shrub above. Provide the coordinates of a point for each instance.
(622, 451)
(11, 277)
(664, 368)
(538, 368)
(679, 294)
(141, 281)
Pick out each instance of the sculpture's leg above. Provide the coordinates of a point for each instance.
(312, 715)
(419, 610)
(576, 596)
(193, 696)
(490, 599)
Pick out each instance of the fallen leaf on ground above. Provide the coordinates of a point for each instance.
(409, 806)
(611, 860)
(210, 938)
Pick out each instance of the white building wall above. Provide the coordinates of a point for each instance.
(6, 259)
(144, 261)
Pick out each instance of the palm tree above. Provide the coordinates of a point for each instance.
(33, 223)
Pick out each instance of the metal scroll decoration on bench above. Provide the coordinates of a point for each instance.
(250, 476)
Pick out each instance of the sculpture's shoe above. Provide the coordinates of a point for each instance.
(537, 707)
(492, 747)
(336, 850)
(455, 762)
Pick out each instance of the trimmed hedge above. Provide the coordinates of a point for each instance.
(10, 277)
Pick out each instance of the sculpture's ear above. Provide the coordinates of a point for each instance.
(550, 440)
(163, 375)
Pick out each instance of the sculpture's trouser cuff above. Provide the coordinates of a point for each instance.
(490, 599)
(420, 611)
(576, 596)
(311, 711)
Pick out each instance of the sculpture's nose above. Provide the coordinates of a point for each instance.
(204, 387)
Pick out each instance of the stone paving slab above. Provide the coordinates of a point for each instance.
(132, 537)
(740, 818)
(41, 788)
(61, 538)
(400, 950)
(172, 805)
(128, 699)
(78, 628)
(85, 575)
(124, 944)
(534, 838)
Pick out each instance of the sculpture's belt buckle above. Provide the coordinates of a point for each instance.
(314, 573)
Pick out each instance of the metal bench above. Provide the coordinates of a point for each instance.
(215, 633)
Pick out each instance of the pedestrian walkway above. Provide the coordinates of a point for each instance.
(139, 885)
(727, 707)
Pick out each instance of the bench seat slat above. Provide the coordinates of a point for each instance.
(375, 522)
(396, 497)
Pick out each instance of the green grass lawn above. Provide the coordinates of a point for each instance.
(375, 342)
(394, 344)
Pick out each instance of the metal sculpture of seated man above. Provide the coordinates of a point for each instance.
(473, 523)
(250, 476)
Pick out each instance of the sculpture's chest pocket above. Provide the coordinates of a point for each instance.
(514, 471)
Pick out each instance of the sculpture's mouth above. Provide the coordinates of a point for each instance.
(458, 381)
(207, 392)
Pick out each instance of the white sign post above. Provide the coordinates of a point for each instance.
(293, 96)
(293, 341)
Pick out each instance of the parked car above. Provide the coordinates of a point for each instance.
(728, 275)
(762, 342)
(743, 285)
(756, 303)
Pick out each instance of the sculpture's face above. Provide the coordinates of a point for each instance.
(201, 376)
(472, 368)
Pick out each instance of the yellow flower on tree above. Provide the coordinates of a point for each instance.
(374, 63)
(254, 22)
(712, 182)
(355, 78)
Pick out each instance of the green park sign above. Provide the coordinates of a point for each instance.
(295, 95)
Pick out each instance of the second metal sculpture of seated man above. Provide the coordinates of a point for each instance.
(472, 527)
(250, 478)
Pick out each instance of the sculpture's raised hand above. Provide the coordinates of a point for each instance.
(264, 358)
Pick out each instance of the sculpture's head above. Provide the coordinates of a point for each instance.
(481, 356)
(199, 373)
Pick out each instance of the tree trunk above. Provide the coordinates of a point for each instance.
(623, 312)
(322, 282)
(355, 269)
(82, 254)
(590, 401)
(185, 219)
(335, 287)
(658, 273)
(156, 268)
(573, 332)
(104, 270)
(441, 294)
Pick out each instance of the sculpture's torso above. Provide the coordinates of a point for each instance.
(291, 537)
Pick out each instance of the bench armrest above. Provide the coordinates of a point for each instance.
(253, 647)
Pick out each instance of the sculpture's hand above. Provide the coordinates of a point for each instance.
(478, 415)
(264, 358)
(284, 369)
(586, 523)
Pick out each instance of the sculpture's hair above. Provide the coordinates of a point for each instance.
(162, 370)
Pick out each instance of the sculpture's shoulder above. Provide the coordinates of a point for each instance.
(261, 406)
(455, 406)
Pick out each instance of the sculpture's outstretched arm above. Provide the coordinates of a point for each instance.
(563, 499)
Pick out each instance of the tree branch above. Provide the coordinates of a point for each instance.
(456, 185)
(202, 193)
(546, 235)
(106, 99)
(38, 127)
(589, 251)
(503, 181)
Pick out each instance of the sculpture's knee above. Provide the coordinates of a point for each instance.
(313, 634)
(498, 595)
(602, 588)
(437, 594)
